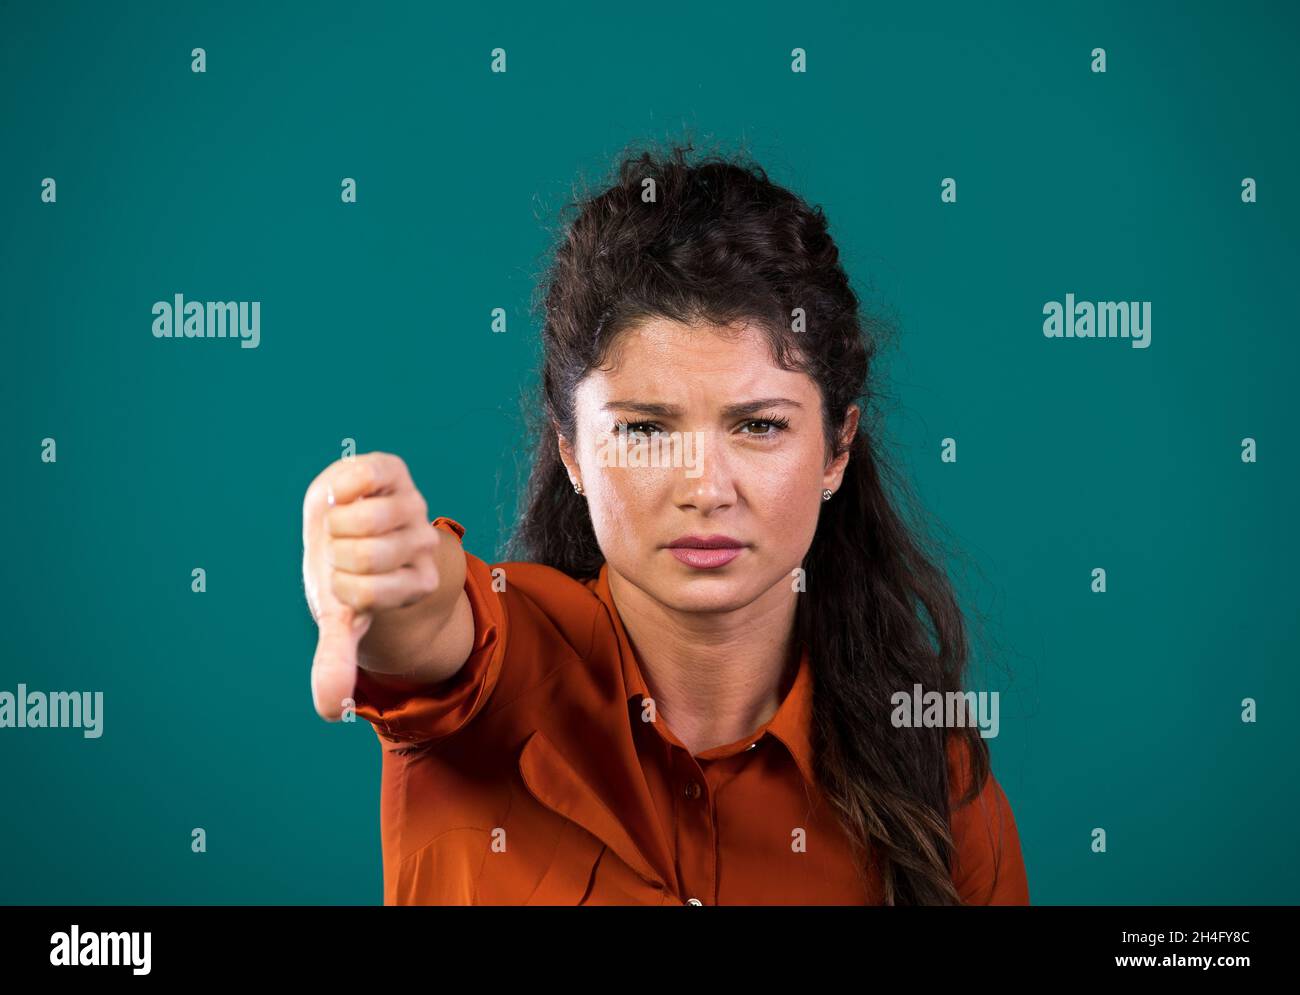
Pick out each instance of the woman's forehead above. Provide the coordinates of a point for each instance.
(672, 358)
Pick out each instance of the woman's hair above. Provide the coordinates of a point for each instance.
(716, 241)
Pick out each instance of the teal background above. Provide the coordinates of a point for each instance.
(1120, 711)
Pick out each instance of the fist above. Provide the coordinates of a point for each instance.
(367, 550)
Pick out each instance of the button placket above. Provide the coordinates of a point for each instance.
(696, 833)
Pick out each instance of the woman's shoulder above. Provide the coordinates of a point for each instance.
(532, 602)
(535, 588)
(537, 579)
(988, 867)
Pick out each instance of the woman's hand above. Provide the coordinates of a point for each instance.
(375, 569)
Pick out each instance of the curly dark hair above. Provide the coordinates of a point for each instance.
(718, 243)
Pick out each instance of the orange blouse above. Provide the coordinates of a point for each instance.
(529, 778)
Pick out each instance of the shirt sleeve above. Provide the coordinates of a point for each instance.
(988, 867)
(438, 710)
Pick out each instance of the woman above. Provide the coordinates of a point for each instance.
(679, 690)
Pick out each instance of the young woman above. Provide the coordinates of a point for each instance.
(681, 687)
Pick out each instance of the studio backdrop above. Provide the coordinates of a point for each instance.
(1080, 218)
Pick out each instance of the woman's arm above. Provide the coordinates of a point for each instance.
(989, 868)
(386, 588)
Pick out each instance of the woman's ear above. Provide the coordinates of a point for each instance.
(567, 457)
(835, 469)
(850, 425)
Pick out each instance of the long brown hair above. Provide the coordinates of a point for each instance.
(717, 243)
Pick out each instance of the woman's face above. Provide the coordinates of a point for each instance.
(722, 444)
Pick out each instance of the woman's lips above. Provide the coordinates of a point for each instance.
(706, 559)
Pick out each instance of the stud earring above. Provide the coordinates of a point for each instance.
(577, 488)
(826, 494)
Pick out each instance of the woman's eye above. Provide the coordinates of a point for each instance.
(767, 426)
(638, 427)
(758, 427)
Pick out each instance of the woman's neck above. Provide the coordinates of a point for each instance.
(715, 676)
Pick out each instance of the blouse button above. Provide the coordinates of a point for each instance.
(693, 901)
(692, 790)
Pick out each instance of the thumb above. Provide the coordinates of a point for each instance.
(334, 667)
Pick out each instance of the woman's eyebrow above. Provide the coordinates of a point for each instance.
(672, 411)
